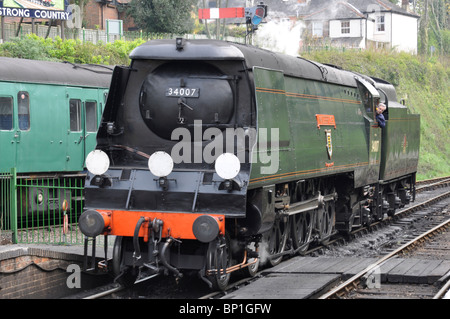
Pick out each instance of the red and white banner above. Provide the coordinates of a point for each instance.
(221, 13)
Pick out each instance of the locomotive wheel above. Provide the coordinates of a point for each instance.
(276, 239)
(325, 219)
(301, 230)
(124, 275)
(218, 257)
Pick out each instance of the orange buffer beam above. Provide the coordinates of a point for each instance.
(176, 225)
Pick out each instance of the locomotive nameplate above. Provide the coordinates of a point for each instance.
(182, 92)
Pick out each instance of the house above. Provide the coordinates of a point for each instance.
(96, 12)
(361, 24)
(94, 16)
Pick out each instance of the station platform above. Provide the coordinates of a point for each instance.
(45, 271)
(308, 277)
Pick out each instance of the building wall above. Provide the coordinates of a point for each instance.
(355, 29)
(96, 15)
(370, 29)
(404, 33)
(382, 36)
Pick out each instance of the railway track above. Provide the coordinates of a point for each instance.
(338, 292)
(362, 276)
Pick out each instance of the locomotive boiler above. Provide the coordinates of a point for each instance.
(214, 157)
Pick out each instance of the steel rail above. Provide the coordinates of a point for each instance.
(442, 291)
(117, 289)
(344, 286)
(432, 183)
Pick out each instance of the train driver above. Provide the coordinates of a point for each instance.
(380, 117)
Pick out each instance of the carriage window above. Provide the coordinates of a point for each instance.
(75, 115)
(23, 101)
(91, 116)
(6, 113)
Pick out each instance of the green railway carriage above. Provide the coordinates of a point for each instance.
(49, 115)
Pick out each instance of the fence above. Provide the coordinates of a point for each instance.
(6, 212)
(41, 210)
(310, 48)
(12, 30)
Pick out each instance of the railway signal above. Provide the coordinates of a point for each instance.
(253, 15)
(256, 14)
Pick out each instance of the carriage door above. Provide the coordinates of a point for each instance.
(8, 134)
(83, 110)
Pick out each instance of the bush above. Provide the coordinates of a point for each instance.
(75, 51)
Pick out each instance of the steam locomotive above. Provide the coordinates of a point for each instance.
(214, 157)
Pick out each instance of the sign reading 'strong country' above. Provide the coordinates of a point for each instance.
(41, 9)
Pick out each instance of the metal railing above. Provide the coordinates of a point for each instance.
(5, 206)
(41, 210)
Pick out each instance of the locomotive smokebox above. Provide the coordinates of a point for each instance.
(172, 97)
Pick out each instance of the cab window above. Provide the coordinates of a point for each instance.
(370, 97)
(6, 113)
(384, 99)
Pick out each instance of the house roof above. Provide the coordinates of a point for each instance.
(368, 6)
(356, 9)
(340, 10)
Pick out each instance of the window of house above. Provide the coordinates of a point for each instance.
(75, 115)
(23, 103)
(91, 116)
(6, 113)
(317, 29)
(345, 27)
(380, 24)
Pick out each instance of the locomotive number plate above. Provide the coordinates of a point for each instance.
(182, 92)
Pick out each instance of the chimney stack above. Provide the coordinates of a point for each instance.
(405, 4)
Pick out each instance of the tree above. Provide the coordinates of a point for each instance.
(434, 25)
(167, 16)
